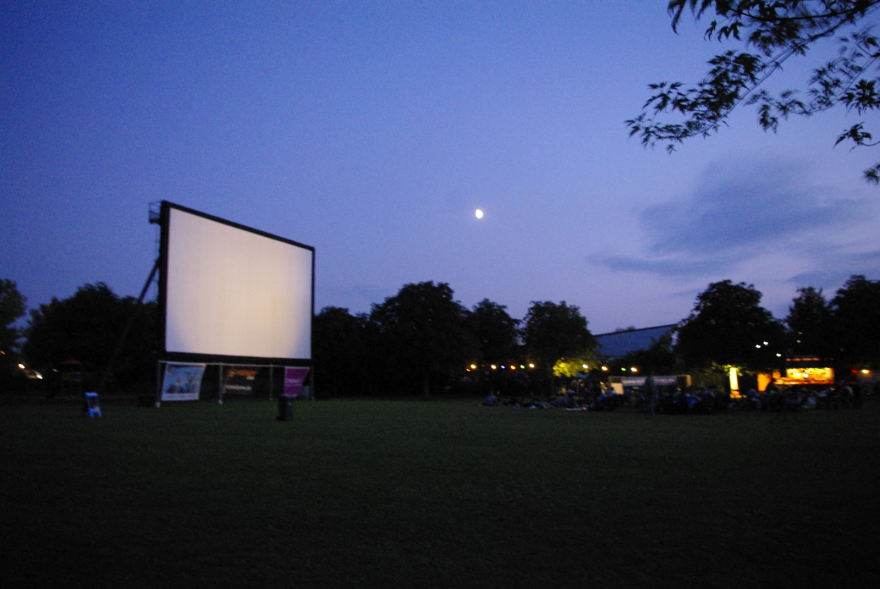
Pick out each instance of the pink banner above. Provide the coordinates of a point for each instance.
(293, 380)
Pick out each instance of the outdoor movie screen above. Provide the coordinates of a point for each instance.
(230, 290)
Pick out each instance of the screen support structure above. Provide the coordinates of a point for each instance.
(127, 329)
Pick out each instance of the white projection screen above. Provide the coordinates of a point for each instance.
(229, 291)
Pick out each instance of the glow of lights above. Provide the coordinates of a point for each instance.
(531, 365)
(779, 355)
(473, 366)
(865, 371)
(757, 345)
(734, 381)
(21, 366)
(633, 369)
(605, 368)
(585, 367)
(479, 214)
(494, 367)
(814, 376)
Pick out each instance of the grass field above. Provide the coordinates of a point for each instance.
(435, 494)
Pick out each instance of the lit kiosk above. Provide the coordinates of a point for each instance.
(232, 299)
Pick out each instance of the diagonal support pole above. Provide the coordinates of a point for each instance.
(128, 326)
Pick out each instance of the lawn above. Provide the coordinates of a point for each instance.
(356, 493)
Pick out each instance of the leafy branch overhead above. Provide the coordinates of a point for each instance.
(777, 30)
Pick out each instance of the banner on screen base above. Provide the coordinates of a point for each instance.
(182, 382)
(293, 380)
(639, 381)
(239, 381)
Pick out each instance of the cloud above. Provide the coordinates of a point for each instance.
(740, 210)
(836, 268)
(667, 266)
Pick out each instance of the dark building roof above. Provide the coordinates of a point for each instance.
(623, 342)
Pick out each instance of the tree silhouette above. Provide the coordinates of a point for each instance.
(422, 330)
(86, 327)
(553, 331)
(12, 307)
(856, 312)
(340, 353)
(809, 319)
(495, 332)
(728, 326)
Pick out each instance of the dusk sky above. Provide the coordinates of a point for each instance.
(374, 130)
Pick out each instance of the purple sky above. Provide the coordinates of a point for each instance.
(373, 130)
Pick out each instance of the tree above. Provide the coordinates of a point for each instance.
(809, 319)
(339, 348)
(12, 307)
(728, 326)
(778, 30)
(552, 332)
(423, 333)
(571, 367)
(856, 312)
(495, 339)
(86, 327)
(495, 332)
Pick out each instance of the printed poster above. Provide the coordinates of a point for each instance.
(239, 381)
(182, 382)
(293, 380)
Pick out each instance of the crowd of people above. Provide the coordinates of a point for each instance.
(575, 396)
(579, 396)
(841, 396)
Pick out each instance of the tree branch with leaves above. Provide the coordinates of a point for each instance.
(778, 30)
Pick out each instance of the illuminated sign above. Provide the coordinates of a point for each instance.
(804, 376)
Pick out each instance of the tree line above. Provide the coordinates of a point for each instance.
(77, 336)
(728, 327)
(423, 341)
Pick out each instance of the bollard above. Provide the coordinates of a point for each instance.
(285, 408)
